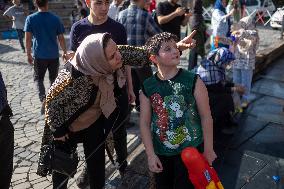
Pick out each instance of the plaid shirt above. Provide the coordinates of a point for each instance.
(210, 73)
(139, 25)
(3, 94)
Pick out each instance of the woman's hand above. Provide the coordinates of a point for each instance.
(155, 164)
(68, 56)
(64, 138)
(187, 42)
(210, 156)
(131, 96)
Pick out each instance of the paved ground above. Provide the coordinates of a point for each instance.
(29, 123)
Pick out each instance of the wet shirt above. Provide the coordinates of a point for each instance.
(18, 14)
(175, 122)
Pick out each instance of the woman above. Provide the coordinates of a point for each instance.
(81, 101)
(220, 23)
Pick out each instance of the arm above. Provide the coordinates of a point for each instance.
(133, 56)
(202, 101)
(62, 45)
(28, 37)
(186, 18)
(163, 19)
(145, 121)
(131, 95)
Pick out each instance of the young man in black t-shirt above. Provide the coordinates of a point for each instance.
(171, 16)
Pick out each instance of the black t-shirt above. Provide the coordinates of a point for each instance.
(83, 28)
(173, 26)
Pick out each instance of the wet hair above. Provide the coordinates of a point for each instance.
(153, 44)
(41, 3)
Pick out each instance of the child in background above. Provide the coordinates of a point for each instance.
(174, 114)
(247, 41)
(18, 15)
(212, 73)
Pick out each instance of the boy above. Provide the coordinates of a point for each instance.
(18, 15)
(174, 102)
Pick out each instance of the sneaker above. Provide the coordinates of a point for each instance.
(42, 110)
(244, 105)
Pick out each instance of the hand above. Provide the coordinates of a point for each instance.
(188, 14)
(64, 138)
(179, 11)
(155, 164)
(30, 59)
(68, 56)
(210, 156)
(232, 12)
(187, 42)
(131, 96)
(240, 89)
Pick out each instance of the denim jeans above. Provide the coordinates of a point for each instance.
(243, 77)
(21, 34)
(40, 67)
(6, 152)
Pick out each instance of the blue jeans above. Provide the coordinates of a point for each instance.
(21, 35)
(243, 77)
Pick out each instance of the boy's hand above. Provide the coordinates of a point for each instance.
(30, 58)
(210, 156)
(187, 42)
(155, 164)
(179, 11)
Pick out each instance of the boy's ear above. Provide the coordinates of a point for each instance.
(153, 58)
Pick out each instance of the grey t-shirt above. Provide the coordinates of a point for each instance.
(18, 14)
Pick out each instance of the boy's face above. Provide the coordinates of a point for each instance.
(98, 8)
(168, 54)
(16, 2)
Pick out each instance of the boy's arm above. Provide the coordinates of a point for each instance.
(145, 121)
(62, 45)
(202, 101)
(28, 37)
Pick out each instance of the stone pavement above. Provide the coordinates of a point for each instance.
(28, 123)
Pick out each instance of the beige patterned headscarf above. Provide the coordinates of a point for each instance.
(90, 60)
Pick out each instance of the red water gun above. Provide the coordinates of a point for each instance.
(200, 173)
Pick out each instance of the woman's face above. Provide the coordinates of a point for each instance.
(224, 3)
(112, 54)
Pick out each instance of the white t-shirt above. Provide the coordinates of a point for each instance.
(18, 14)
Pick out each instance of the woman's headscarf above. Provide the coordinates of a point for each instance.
(221, 56)
(90, 60)
(219, 6)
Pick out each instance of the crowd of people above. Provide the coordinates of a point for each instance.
(108, 67)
